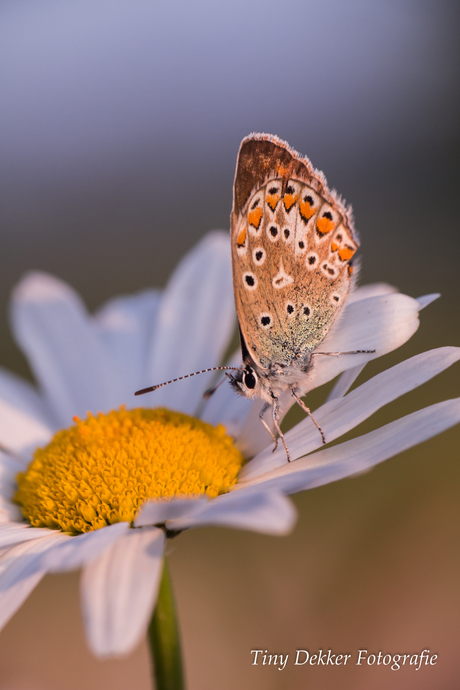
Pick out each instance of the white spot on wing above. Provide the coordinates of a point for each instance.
(328, 270)
(282, 278)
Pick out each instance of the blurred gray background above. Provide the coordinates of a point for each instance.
(119, 128)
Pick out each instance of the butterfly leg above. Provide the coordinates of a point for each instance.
(307, 410)
(261, 417)
(275, 414)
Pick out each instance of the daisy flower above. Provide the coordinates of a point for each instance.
(103, 491)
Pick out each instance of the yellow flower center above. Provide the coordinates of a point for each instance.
(103, 468)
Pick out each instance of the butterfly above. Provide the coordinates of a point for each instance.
(292, 243)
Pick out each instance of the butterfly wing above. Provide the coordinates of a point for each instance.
(292, 243)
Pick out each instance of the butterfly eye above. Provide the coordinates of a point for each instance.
(250, 379)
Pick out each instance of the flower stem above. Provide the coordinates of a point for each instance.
(164, 640)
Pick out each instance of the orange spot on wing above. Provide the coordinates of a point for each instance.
(281, 170)
(324, 225)
(255, 216)
(306, 210)
(346, 252)
(350, 270)
(289, 200)
(334, 247)
(241, 239)
(272, 200)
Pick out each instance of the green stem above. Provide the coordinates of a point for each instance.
(164, 640)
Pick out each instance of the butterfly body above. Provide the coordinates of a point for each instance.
(292, 241)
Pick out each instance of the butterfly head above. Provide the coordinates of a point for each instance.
(246, 382)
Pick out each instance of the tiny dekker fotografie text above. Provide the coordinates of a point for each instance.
(303, 657)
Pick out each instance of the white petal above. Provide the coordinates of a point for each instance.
(380, 323)
(9, 512)
(156, 512)
(427, 299)
(21, 395)
(339, 416)
(126, 326)
(361, 453)
(19, 431)
(371, 290)
(238, 414)
(230, 409)
(348, 377)
(76, 551)
(253, 437)
(9, 468)
(16, 532)
(20, 574)
(260, 511)
(345, 382)
(119, 591)
(194, 325)
(67, 355)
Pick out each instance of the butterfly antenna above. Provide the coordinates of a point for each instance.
(203, 371)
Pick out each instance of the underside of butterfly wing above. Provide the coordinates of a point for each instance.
(292, 245)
